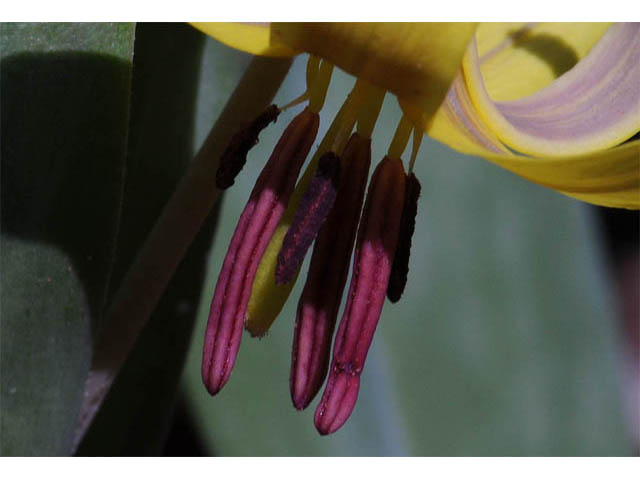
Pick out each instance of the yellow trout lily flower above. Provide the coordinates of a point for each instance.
(558, 104)
(503, 97)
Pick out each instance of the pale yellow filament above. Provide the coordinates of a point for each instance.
(370, 111)
(313, 69)
(318, 89)
(418, 133)
(401, 138)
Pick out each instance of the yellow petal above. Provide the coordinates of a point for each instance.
(251, 38)
(610, 178)
(416, 61)
(457, 123)
(594, 106)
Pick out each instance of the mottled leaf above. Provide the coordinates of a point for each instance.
(65, 104)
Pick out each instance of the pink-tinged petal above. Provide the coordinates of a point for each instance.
(311, 214)
(594, 106)
(457, 123)
(322, 294)
(375, 249)
(459, 111)
(609, 177)
(257, 223)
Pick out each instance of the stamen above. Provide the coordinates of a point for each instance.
(322, 294)
(314, 208)
(400, 267)
(234, 157)
(267, 297)
(255, 228)
(376, 245)
(401, 138)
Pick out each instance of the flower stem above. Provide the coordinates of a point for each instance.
(175, 229)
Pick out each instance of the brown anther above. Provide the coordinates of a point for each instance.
(400, 268)
(235, 155)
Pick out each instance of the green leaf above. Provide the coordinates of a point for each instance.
(503, 344)
(136, 414)
(65, 105)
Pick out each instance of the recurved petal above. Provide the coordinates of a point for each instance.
(253, 38)
(592, 107)
(610, 177)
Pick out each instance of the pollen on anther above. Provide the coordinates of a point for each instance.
(314, 208)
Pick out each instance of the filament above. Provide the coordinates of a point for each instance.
(346, 118)
(319, 86)
(417, 141)
(313, 68)
(370, 111)
(401, 138)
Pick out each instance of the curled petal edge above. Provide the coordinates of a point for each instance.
(592, 107)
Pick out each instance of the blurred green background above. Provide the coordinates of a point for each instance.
(506, 341)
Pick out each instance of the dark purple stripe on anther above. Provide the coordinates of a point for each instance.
(314, 208)
(235, 155)
(400, 268)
